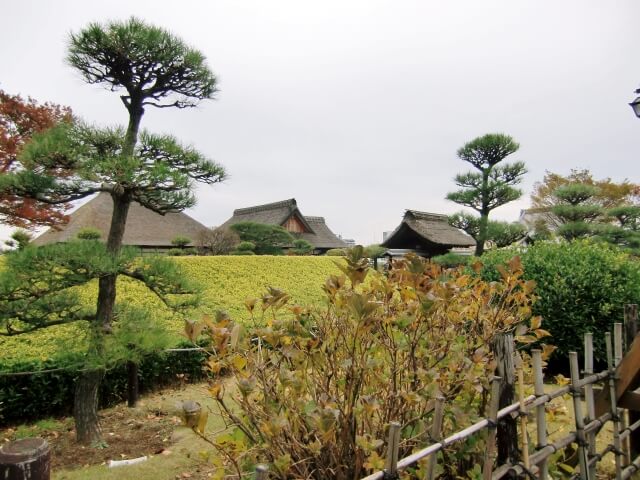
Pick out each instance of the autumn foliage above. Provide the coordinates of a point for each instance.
(313, 390)
(19, 120)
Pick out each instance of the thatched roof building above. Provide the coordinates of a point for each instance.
(427, 234)
(145, 228)
(287, 215)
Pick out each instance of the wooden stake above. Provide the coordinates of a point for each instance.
(507, 436)
(613, 406)
(523, 420)
(589, 399)
(541, 418)
(436, 435)
(618, 348)
(631, 330)
(577, 410)
(132, 384)
(391, 466)
(490, 453)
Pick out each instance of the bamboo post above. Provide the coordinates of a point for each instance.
(490, 453)
(507, 434)
(262, 472)
(631, 330)
(577, 410)
(391, 466)
(614, 408)
(523, 419)
(541, 418)
(590, 399)
(618, 347)
(436, 435)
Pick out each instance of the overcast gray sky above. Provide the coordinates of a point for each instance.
(356, 108)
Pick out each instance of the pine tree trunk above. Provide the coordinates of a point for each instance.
(87, 386)
(86, 407)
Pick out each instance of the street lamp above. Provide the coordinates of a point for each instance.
(636, 104)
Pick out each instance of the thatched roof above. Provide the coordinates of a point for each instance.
(317, 232)
(145, 228)
(432, 228)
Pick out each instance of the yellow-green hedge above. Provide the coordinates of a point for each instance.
(227, 281)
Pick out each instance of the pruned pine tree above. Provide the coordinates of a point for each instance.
(502, 234)
(493, 185)
(152, 68)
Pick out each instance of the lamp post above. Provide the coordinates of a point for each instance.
(636, 104)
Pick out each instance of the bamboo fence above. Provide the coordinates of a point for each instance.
(534, 460)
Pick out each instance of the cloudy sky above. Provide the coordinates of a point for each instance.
(357, 107)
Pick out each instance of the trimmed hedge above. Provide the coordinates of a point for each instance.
(582, 287)
(26, 397)
(227, 281)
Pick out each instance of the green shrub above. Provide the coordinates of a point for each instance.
(89, 233)
(451, 260)
(301, 247)
(227, 281)
(42, 395)
(181, 241)
(243, 252)
(267, 239)
(246, 246)
(336, 252)
(582, 287)
(181, 252)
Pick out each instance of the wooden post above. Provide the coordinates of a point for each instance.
(523, 419)
(502, 347)
(631, 329)
(541, 417)
(132, 384)
(490, 452)
(436, 435)
(391, 466)
(192, 411)
(26, 459)
(589, 399)
(613, 405)
(577, 410)
(262, 472)
(618, 348)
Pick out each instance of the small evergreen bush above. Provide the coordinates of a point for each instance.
(582, 286)
(451, 260)
(89, 233)
(43, 395)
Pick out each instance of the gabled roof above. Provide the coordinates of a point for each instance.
(433, 228)
(277, 213)
(144, 227)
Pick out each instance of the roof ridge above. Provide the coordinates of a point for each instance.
(312, 218)
(291, 202)
(427, 215)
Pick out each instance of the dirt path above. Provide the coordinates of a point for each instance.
(154, 429)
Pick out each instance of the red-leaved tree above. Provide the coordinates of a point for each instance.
(19, 120)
